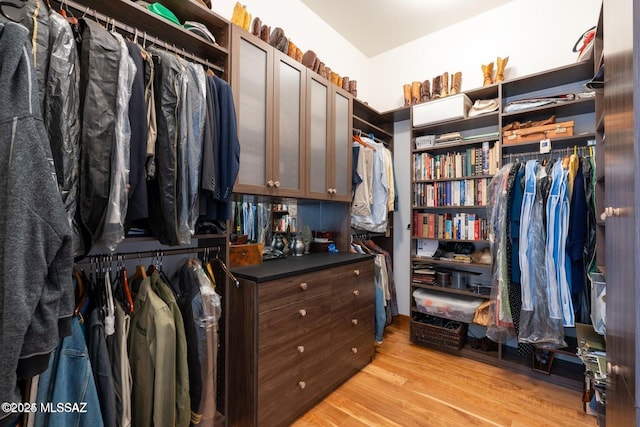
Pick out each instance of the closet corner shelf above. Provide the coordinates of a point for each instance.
(370, 127)
(482, 241)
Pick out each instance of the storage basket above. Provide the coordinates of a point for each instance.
(426, 329)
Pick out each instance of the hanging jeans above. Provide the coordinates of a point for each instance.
(558, 289)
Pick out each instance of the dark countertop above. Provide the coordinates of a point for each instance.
(290, 266)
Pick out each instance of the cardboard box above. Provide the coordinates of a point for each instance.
(537, 133)
(241, 255)
(442, 109)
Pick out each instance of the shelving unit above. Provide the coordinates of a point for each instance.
(587, 126)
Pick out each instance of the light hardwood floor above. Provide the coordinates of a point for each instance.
(411, 385)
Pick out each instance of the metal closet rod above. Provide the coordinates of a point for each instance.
(582, 151)
(157, 253)
(122, 256)
(135, 32)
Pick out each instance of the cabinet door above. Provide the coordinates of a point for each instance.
(341, 147)
(318, 136)
(253, 93)
(289, 126)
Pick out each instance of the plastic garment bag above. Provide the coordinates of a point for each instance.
(536, 324)
(113, 231)
(500, 322)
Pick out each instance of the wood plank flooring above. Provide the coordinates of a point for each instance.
(411, 385)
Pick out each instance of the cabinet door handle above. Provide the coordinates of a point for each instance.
(277, 184)
(610, 212)
(302, 384)
(356, 272)
(304, 286)
(270, 183)
(334, 191)
(302, 312)
(300, 349)
(354, 350)
(356, 292)
(355, 322)
(329, 190)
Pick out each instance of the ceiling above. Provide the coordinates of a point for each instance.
(376, 26)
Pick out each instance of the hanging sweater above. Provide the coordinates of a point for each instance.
(36, 251)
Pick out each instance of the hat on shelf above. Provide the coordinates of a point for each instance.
(483, 106)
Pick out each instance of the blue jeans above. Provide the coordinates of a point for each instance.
(69, 379)
(381, 314)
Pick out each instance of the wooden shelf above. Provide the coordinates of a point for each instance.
(368, 127)
(469, 123)
(448, 208)
(450, 264)
(569, 108)
(447, 291)
(154, 26)
(451, 240)
(456, 144)
(462, 178)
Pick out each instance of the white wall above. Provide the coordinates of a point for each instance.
(536, 35)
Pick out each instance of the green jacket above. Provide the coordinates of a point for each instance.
(152, 355)
(183, 402)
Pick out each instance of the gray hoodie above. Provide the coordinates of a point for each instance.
(36, 252)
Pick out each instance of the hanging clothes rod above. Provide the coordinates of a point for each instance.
(583, 151)
(157, 253)
(134, 32)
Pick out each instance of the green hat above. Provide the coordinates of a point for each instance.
(159, 9)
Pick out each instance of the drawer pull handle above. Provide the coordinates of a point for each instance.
(270, 183)
(302, 384)
(304, 286)
(300, 349)
(354, 350)
(356, 272)
(276, 184)
(355, 322)
(302, 312)
(356, 292)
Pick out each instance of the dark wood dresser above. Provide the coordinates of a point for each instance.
(298, 328)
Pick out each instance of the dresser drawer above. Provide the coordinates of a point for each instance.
(350, 358)
(292, 289)
(355, 291)
(288, 395)
(286, 324)
(274, 359)
(347, 327)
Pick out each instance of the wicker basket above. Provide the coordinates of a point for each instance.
(425, 329)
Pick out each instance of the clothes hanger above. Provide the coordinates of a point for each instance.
(226, 270)
(360, 141)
